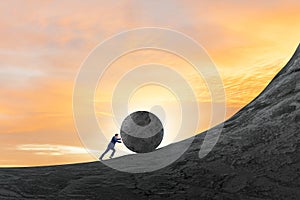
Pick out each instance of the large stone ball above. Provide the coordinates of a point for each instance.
(142, 132)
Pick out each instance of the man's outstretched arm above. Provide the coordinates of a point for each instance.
(117, 140)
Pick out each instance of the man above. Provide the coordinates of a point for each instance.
(111, 146)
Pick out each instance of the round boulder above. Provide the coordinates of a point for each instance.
(142, 132)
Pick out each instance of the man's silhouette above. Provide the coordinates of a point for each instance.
(111, 146)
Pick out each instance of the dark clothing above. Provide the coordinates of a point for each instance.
(114, 140)
(111, 146)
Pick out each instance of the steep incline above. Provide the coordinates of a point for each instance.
(256, 157)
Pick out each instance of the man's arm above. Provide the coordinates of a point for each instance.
(117, 140)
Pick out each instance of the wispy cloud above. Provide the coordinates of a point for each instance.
(51, 149)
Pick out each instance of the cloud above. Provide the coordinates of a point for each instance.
(51, 149)
(243, 85)
(13, 73)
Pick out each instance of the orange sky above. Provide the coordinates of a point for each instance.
(43, 44)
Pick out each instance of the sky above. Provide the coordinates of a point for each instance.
(44, 43)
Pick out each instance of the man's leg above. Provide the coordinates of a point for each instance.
(101, 157)
(113, 153)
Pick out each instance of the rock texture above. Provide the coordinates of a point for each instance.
(256, 157)
(142, 132)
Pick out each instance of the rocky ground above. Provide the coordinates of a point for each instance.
(256, 157)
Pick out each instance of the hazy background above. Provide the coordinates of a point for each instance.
(43, 44)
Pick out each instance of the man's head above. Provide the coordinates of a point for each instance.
(116, 135)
